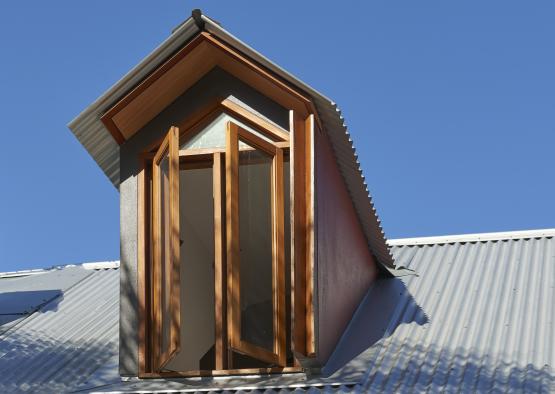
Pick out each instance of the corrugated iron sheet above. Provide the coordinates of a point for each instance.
(69, 339)
(479, 317)
(90, 131)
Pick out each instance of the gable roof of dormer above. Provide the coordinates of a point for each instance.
(92, 127)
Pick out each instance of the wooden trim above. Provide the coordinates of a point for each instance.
(142, 271)
(310, 236)
(156, 332)
(204, 115)
(232, 227)
(254, 120)
(169, 147)
(219, 259)
(175, 248)
(257, 352)
(254, 140)
(153, 77)
(206, 153)
(297, 206)
(114, 130)
(214, 52)
(200, 152)
(259, 69)
(278, 356)
(227, 372)
(278, 260)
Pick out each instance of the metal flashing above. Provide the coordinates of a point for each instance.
(477, 237)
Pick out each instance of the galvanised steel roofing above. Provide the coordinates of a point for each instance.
(70, 339)
(98, 141)
(478, 317)
(475, 316)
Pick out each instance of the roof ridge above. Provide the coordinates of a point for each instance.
(474, 237)
(98, 265)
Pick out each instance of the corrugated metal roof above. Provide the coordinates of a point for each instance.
(91, 132)
(65, 343)
(477, 317)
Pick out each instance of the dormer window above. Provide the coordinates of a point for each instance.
(219, 282)
(247, 235)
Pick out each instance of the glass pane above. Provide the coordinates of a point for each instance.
(165, 249)
(255, 244)
(197, 272)
(213, 134)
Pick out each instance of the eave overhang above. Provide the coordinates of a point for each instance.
(101, 144)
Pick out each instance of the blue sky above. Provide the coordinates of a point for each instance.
(451, 106)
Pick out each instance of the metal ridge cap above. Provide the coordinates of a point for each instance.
(476, 237)
(99, 265)
(182, 33)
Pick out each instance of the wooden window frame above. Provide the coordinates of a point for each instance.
(297, 144)
(235, 134)
(170, 149)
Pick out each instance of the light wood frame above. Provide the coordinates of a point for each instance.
(299, 140)
(235, 133)
(168, 149)
(182, 70)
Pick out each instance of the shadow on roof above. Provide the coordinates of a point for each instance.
(387, 305)
(15, 305)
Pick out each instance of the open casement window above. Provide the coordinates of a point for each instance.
(218, 276)
(166, 247)
(255, 247)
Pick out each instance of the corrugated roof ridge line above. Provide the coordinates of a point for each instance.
(474, 237)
